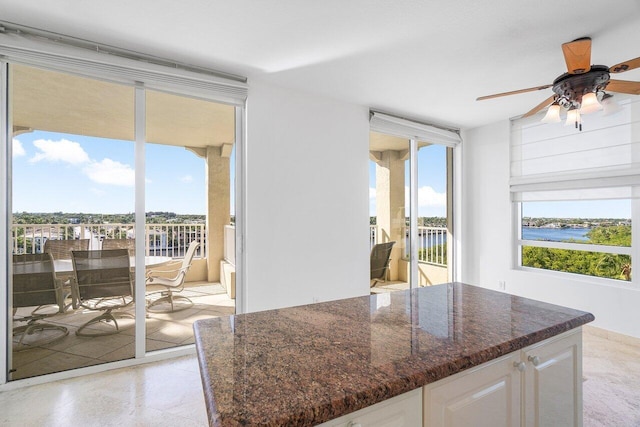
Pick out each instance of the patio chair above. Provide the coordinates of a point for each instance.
(379, 262)
(61, 250)
(172, 284)
(35, 284)
(129, 244)
(103, 282)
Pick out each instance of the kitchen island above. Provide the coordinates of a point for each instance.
(306, 365)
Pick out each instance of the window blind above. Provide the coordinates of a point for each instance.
(556, 162)
(409, 129)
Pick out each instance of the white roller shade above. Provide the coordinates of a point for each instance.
(557, 162)
(403, 128)
(37, 51)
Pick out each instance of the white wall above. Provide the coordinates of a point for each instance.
(487, 247)
(307, 219)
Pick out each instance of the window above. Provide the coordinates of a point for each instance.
(575, 194)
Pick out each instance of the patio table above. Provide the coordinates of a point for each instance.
(62, 266)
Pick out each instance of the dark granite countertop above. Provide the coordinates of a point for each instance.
(305, 365)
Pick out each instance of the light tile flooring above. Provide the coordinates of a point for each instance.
(611, 386)
(169, 393)
(164, 330)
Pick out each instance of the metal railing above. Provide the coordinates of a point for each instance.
(432, 241)
(170, 240)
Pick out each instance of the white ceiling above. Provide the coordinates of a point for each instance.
(420, 58)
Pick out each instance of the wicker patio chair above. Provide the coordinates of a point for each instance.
(172, 284)
(35, 285)
(104, 283)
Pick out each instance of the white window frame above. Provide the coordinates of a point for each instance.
(597, 181)
(60, 57)
(519, 242)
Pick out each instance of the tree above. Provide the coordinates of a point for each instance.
(613, 266)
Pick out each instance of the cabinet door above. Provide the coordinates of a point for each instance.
(488, 395)
(400, 411)
(553, 382)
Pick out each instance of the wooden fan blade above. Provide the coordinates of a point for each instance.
(539, 106)
(514, 92)
(577, 55)
(624, 86)
(625, 66)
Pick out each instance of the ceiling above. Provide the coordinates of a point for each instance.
(59, 102)
(416, 58)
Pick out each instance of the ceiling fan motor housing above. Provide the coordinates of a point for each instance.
(570, 88)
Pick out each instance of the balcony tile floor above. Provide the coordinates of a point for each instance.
(164, 330)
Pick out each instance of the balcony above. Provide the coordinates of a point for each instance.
(432, 257)
(163, 330)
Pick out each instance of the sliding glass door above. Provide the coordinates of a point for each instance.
(122, 232)
(72, 189)
(189, 230)
(410, 195)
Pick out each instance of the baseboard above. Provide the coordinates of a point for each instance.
(611, 336)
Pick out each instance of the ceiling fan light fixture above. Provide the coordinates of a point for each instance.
(581, 90)
(553, 114)
(573, 117)
(590, 103)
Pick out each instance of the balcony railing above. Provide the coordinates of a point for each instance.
(431, 244)
(170, 240)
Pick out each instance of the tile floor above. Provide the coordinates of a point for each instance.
(164, 330)
(169, 393)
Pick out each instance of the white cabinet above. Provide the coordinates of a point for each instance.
(488, 395)
(537, 386)
(400, 411)
(540, 385)
(553, 382)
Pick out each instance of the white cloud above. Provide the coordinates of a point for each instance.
(428, 197)
(97, 191)
(59, 151)
(186, 179)
(111, 172)
(17, 149)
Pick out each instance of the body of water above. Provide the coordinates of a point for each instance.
(555, 234)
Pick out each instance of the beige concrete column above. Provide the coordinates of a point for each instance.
(218, 202)
(390, 171)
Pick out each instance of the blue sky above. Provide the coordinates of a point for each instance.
(71, 173)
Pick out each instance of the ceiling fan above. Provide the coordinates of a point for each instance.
(582, 87)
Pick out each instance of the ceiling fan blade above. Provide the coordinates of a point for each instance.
(625, 66)
(539, 106)
(514, 92)
(577, 55)
(624, 86)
